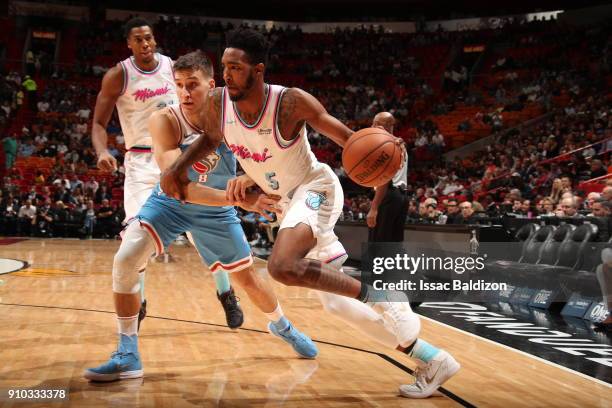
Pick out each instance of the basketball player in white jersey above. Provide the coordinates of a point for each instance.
(264, 125)
(138, 86)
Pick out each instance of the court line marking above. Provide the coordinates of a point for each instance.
(578, 373)
(385, 357)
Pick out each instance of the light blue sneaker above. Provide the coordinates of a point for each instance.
(124, 363)
(300, 342)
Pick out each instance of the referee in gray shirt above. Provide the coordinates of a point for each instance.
(389, 207)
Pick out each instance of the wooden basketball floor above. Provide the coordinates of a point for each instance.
(56, 318)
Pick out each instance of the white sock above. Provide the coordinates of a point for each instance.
(128, 325)
(360, 316)
(275, 315)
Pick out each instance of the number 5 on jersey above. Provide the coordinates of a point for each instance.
(272, 183)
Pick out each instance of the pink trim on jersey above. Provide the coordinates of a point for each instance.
(126, 77)
(261, 116)
(143, 72)
(275, 125)
(138, 149)
(223, 115)
(333, 258)
(232, 267)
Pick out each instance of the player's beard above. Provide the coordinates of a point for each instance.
(242, 94)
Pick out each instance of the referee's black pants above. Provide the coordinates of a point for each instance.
(391, 218)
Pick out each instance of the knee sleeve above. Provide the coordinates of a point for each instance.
(360, 316)
(136, 247)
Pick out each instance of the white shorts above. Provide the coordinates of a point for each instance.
(141, 175)
(318, 203)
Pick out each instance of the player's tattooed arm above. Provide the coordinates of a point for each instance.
(252, 202)
(174, 179)
(298, 106)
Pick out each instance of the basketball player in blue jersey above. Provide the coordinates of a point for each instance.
(264, 125)
(209, 216)
(139, 86)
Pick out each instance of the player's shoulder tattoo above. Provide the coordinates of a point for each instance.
(288, 105)
(212, 115)
(216, 96)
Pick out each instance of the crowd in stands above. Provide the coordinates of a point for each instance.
(355, 73)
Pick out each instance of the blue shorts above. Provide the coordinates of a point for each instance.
(216, 231)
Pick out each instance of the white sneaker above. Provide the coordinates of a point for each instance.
(398, 317)
(431, 376)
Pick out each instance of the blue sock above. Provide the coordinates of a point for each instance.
(281, 324)
(128, 343)
(423, 351)
(221, 281)
(141, 277)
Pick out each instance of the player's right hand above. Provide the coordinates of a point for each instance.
(173, 183)
(106, 162)
(237, 187)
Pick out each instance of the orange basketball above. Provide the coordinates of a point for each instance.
(371, 157)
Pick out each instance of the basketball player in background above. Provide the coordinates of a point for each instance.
(138, 86)
(388, 210)
(211, 219)
(265, 127)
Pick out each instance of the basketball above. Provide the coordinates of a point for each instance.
(371, 157)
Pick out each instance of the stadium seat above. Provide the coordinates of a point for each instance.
(550, 250)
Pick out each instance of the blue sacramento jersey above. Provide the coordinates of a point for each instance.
(216, 231)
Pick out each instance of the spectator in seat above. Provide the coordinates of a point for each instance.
(91, 185)
(548, 207)
(102, 194)
(26, 148)
(556, 191)
(597, 169)
(600, 208)
(467, 213)
(452, 211)
(569, 208)
(9, 219)
(90, 219)
(566, 184)
(27, 218)
(44, 219)
(104, 217)
(526, 208)
(590, 199)
(606, 194)
(39, 179)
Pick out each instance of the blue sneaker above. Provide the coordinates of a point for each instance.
(124, 363)
(300, 342)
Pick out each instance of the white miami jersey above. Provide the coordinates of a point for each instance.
(276, 165)
(143, 93)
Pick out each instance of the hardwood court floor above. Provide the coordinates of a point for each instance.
(56, 319)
